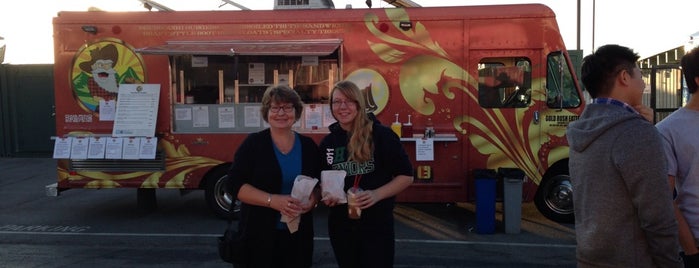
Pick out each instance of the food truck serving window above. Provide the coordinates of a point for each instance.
(217, 86)
(321, 47)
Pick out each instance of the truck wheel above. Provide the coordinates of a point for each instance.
(554, 198)
(217, 198)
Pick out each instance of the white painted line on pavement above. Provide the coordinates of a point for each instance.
(416, 241)
(508, 244)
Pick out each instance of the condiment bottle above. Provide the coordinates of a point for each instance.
(396, 126)
(407, 130)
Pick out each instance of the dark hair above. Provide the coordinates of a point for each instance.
(600, 68)
(281, 94)
(690, 68)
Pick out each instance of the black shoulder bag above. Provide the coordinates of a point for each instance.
(231, 245)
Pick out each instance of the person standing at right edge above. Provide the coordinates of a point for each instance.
(623, 212)
(374, 160)
(680, 131)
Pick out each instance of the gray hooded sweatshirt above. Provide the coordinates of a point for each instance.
(623, 203)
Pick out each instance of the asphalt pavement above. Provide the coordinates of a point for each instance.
(42, 231)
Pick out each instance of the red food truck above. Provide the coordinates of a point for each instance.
(495, 84)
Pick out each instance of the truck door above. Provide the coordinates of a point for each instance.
(502, 128)
(562, 105)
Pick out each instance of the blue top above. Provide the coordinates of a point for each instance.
(290, 165)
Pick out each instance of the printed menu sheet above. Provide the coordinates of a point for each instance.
(78, 150)
(137, 110)
(253, 117)
(226, 117)
(200, 116)
(147, 148)
(256, 73)
(113, 148)
(61, 149)
(313, 116)
(424, 149)
(132, 148)
(96, 147)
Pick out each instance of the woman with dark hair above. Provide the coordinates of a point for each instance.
(262, 176)
(376, 162)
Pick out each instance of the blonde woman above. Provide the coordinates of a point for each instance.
(376, 162)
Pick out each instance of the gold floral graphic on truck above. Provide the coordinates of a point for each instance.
(430, 77)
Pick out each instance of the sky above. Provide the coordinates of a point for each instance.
(648, 27)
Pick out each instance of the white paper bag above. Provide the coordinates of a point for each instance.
(332, 182)
(302, 190)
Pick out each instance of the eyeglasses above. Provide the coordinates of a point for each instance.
(347, 103)
(286, 109)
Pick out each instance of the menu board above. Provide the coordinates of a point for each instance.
(137, 110)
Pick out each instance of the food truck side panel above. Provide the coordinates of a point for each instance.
(429, 63)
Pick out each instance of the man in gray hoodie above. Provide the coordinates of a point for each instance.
(623, 209)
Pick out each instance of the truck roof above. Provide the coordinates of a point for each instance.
(333, 15)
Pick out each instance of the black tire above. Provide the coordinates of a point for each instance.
(554, 197)
(219, 201)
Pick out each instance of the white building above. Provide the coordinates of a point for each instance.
(303, 4)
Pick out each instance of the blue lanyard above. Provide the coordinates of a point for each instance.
(615, 102)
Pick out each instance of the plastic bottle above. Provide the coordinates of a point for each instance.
(396, 126)
(407, 130)
(429, 128)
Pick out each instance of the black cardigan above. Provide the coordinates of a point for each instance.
(255, 163)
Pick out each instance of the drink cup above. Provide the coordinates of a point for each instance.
(353, 210)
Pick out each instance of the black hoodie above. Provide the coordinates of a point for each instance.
(389, 160)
